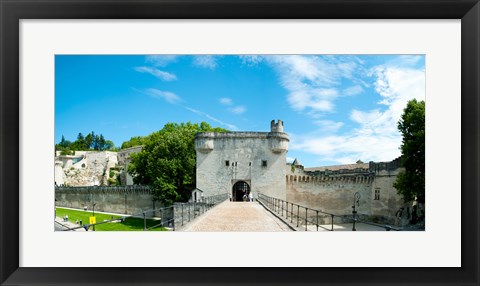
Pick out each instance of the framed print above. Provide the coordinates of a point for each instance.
(48, 48)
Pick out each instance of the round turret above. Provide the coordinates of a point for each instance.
(203, 142)
(276, 127)
(278, 138)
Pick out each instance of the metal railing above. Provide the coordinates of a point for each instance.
(178, 213)
(299, 216)
(186, 212)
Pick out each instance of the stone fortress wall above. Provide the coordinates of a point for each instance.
(331, 189)
(122, 200)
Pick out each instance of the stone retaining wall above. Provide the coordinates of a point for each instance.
(123, 200)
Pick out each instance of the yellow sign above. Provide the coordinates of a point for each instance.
(92, 220)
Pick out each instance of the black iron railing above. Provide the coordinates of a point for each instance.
(309, 218)
(185, 212)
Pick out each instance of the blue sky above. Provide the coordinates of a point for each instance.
(337, 109)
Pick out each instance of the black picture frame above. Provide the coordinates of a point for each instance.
(11, 11)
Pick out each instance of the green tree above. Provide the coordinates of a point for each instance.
(134, 141)
(89, 140)
(109, 145)
(411, 182)
(167, 161)
(81, 142)
(101, 142)
(63, 144)
(85, 143)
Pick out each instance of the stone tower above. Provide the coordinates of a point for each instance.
(242, 162)
(276, 127)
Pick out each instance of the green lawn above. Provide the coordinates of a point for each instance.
(130, 223)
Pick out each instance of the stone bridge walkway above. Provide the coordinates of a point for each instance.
(236, 216)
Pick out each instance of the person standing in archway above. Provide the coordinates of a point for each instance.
(250, 197)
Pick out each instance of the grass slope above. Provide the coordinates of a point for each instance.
(130, 223)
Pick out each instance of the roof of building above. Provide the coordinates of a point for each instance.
(340, 167)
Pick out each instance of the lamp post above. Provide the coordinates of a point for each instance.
(356, 199)
(94, 215)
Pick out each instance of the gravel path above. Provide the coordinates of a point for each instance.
(236, 216)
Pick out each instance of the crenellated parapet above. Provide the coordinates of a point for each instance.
(382, 167)
(366, 178)
(104, 189)
(205, 142)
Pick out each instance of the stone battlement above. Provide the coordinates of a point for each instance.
(104, 189)
(385, 166)
(352, 179)
(241, 135)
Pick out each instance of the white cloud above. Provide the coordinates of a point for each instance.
(209, 62)
(365, 118)
(313, 82)
(251, 60)
(175, 99)
(157, 73)
(201, 113)
(347, 149)
(160, 60)
(238, 109)
(166, 95)
(353, 90)
(376, 138)
(405, 61)
(328, 125)
(225, 101)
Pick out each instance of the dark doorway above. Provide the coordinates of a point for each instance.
(239, 190)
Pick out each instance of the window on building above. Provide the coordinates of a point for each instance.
(227, 163)
(377, 194)
(249, 163)
(264, 163)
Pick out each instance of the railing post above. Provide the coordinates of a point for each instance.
(306, 219)
(182, 212)
(291, 213)
(161, 216)
(173, 221)
(189, 211)
(286, 211)
(332, 222)
(317, 220)
(144, 222)
(298, 213)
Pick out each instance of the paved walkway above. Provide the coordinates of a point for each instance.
(63, 225)
(236, 216)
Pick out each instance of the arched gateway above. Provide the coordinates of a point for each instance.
(239, 190)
